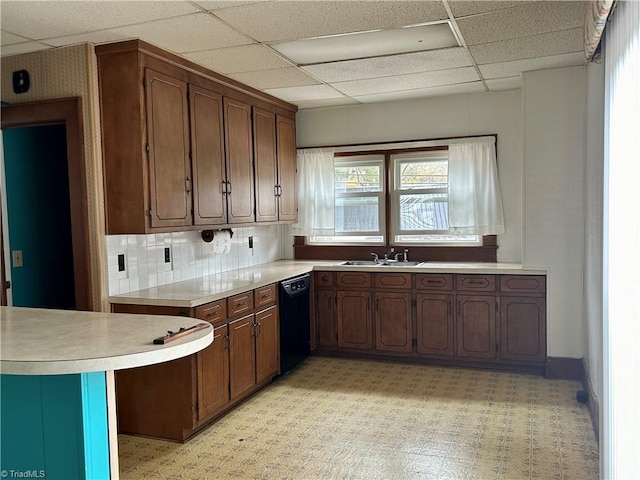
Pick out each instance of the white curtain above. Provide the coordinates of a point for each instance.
(621, 245)
(475, 204)
(316, 193)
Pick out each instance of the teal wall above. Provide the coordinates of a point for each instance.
(55, 426)
(39, 216)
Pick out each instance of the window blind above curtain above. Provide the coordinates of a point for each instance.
(475, 203)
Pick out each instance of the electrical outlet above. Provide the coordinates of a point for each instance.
(122, 266)
(250, 242)
(17, 258)
(167, 254)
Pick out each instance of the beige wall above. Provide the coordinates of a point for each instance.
(62, 73)
(554, 112)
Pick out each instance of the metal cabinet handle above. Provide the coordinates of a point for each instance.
(228, 188)
(187, 185)
(224, 187)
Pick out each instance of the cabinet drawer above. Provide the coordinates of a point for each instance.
(392, 280)
(523, 283)
(476, 283)
(324, 279)
(434, 281)
(265, 295)
(212, 312)
(239, 304)
(353, 279)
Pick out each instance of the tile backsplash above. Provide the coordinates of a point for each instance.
(190, 256)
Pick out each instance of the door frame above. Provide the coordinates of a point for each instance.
(67, 111)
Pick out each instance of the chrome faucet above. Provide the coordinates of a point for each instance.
(391, 250)
(375, 256)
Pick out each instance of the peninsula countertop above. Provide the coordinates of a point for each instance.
(198, 291)
(36, 341)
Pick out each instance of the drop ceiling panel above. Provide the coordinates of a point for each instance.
(463, 8)
(407, 82)
(512, 69)
(508, 83)
(188, 33)
(10, 38)
(289, 20)
(530, 19)
(390, 65)
(25, 47)
(546, 44)
(101, 36)
(311, 92)
(326, 102)
(214, 5)
(275, 78)
(459, 88)
(47, 19)
(239, 59)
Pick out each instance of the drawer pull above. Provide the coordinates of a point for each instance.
(477, 282)
(265, 295)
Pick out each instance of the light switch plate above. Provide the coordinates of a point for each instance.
(123, 271)
(17, 258)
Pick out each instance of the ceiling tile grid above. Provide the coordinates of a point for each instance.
(498, 41)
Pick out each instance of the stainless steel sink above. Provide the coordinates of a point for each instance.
(360, 262)
(398, 264)
(380, 263)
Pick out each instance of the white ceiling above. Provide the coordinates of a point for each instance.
(499, 40)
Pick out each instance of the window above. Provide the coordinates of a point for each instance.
(420, 199)
(359, 201)
(416, 197)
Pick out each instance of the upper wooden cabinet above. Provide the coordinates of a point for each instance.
(274, 140)
(239, 186)
(179, 143)
(207, 151)
(286, 148)
(168, 150)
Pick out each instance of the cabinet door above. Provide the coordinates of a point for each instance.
(242, 355)
(168, 150)
(476, 326)
(207, 152)
(267, 344)
(394, 331)
(354, 320)
(264, 145)
(434, 324)
(523, 329)
(213, 375)
(239, 150)
(287, 168)
(325, 318)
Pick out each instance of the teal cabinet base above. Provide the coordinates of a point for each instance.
(54, 426)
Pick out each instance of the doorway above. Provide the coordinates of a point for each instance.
(46, 205)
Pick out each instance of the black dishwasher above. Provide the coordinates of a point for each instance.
(294, 321)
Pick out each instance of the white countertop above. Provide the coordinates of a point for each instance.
(198, 291)
(35, 341)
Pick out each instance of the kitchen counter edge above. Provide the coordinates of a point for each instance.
(199, 291)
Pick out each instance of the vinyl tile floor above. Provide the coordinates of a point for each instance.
(360, 419)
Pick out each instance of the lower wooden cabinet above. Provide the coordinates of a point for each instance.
(523, 329)
(213, 375)
(176, 399)
(354, 319)
(434, 324)
(476, 324)
(242, 356)
(327, 335)
(394, 332)
(465, 319)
